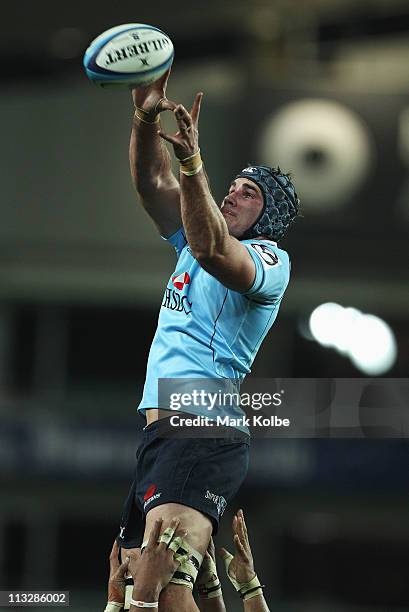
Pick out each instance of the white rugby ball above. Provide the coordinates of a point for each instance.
(128, 54)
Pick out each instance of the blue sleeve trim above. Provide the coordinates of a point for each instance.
(177, 240)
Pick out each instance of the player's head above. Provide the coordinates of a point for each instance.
(261, 202)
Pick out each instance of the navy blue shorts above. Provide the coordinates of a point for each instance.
(200, 472)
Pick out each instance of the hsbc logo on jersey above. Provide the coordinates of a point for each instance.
(180, 280)
(173, 299)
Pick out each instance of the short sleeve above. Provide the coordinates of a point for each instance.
(177, 240)
(272, 272)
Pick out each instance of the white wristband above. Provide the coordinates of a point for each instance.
(143, 604)
(113, 606)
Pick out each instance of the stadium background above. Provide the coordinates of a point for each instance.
(82, 273)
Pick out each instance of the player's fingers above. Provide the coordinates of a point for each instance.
(168, 533)
(239, 547)
(195, 112)
(174, 523)
(181, 559)
(123, 568)
(234, 524)
(240, 529)
(183, 127)
(224, 554)
(163, 80)
(114, 550)
(182, 116)
(166, 537)
(175, 544)
(180, 537)
(210, 549)
(244, 526)
(165, 104)
(154, 534)
(181, 532)
(172, 139)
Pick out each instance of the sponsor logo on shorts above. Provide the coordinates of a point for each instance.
(150, 491)
(218, 500)
(150, 495)
(121, 532)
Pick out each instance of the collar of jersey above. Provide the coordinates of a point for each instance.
(262, 240)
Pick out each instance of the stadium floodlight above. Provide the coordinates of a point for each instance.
(373, 349)
(323, 322)
(367, 340)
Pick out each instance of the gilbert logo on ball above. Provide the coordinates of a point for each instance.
(129, 54)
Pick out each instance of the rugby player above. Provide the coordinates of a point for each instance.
(218, 306)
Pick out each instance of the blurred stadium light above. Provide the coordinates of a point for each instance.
(366, 339)
(327, 146)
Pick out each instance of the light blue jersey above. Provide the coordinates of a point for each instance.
(208, 331)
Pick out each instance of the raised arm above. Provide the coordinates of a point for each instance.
(240, 568)
(151, 571)
(149, 159)
(219, 253)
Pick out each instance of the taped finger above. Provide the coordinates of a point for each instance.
(167, 536)
(181, 559)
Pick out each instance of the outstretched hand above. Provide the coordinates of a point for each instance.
(158, 563)
(241, 566)
(152, 98)
(117, 571)
(186, 140)
(207, 572)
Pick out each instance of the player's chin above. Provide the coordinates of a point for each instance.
(232, 226)
(235, 231)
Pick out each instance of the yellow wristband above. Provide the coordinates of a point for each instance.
(191, 165)
(138, 115)
(191, 172)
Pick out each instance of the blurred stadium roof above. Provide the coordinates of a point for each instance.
(38, 32)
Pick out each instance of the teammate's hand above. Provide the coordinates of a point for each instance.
(117, 571)
(152, 98)
(207, 571)
(153, 569)
(186, 140)
(241, 568)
